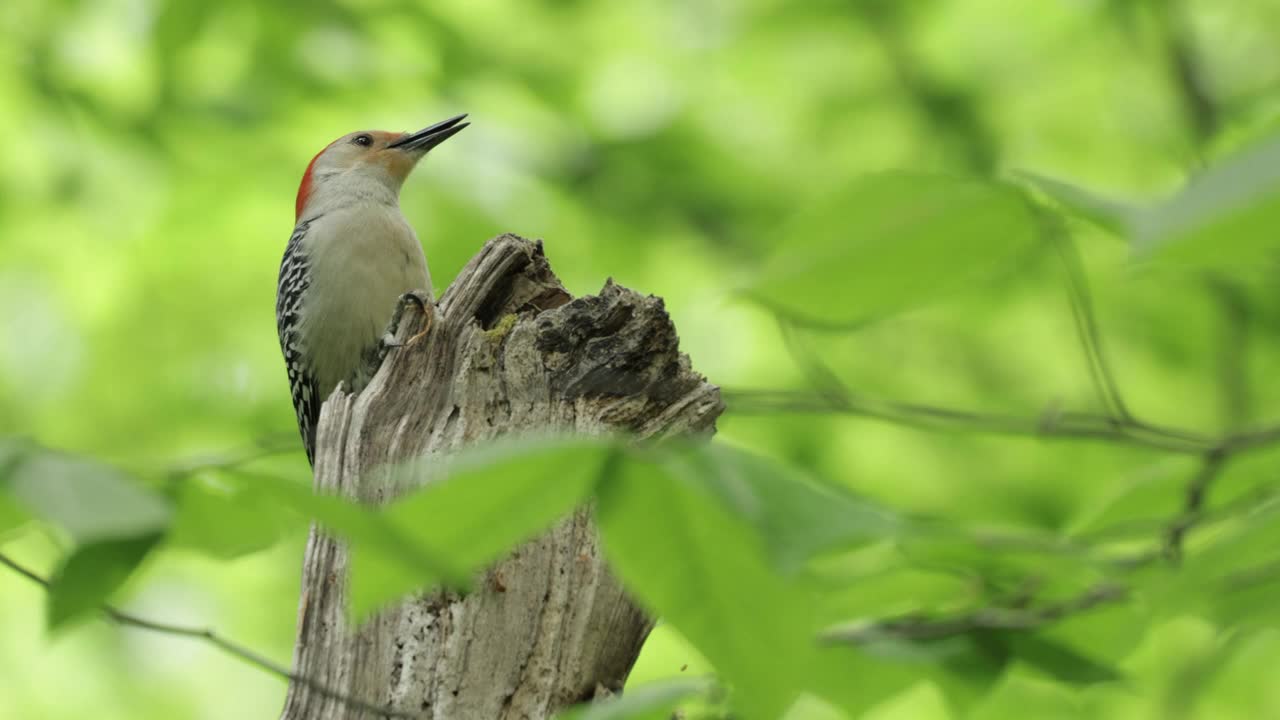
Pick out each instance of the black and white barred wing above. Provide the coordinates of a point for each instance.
(295, 278)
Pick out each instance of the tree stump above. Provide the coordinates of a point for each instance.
(509, 352)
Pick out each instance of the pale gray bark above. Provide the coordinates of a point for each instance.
(508, 352)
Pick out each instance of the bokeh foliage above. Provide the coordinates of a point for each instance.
(699, 151)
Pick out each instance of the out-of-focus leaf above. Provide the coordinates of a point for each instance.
(706, 572)
(886, 586)
(655, 701)
(1023, 693)
(797, 517)
(12, 450)
(1138, 505)
(810, 707)
(90, 574)
(364, 527)
(92, 501)
(1231, 575)
(1059, 661)
(964, 667)
(1108, 634)
(1106, 213)
(227, 521)
(492, 498)
(1226, 213)
(892, 241)
(1247, 597)
(12, 516)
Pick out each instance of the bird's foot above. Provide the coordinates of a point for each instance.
(424, 303)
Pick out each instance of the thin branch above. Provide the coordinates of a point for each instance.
(1251, 440)
(1193, 506)
(265, 448)
(1021, 619)
(241, 652)
(1052, 424)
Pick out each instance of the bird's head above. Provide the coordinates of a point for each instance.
(369, 163)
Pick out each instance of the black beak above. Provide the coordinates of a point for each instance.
(429, 137)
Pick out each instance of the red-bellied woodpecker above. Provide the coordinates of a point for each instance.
(350, 264)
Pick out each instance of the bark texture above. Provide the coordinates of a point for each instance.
(507, 352)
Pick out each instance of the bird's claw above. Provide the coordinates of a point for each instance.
(413, 297)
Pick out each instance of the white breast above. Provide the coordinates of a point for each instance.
(362, 259)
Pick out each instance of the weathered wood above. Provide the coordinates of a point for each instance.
(508, 352)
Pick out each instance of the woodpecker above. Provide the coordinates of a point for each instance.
(350, 264)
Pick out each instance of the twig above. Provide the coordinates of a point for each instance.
(1250, 440)
(120, 617)
(267, 447)
(1193, 506)
(1052, 425)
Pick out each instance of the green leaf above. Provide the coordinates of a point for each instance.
(1106, 213)
(655, 701)
(711, 537)
(227, 520)
(893, 241)
(865, 586)
(90, 574)
(1224, 215)
(1246, 597)
(12, 516)
(1227, 213)
(492, 498)
(1107, 634)
(12, 450)
(363, 527)
(964, 666)
(92, 501)
(810, 707)
(797, 516)
(1230, 572)
(706, 572)
(1137, 505)
(1059, 661)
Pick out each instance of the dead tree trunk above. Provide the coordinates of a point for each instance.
(509, 352)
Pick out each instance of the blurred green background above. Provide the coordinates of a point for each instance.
(151, 151)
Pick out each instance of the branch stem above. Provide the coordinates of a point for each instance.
(236, 650)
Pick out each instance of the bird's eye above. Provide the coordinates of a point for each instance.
(365, 140)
